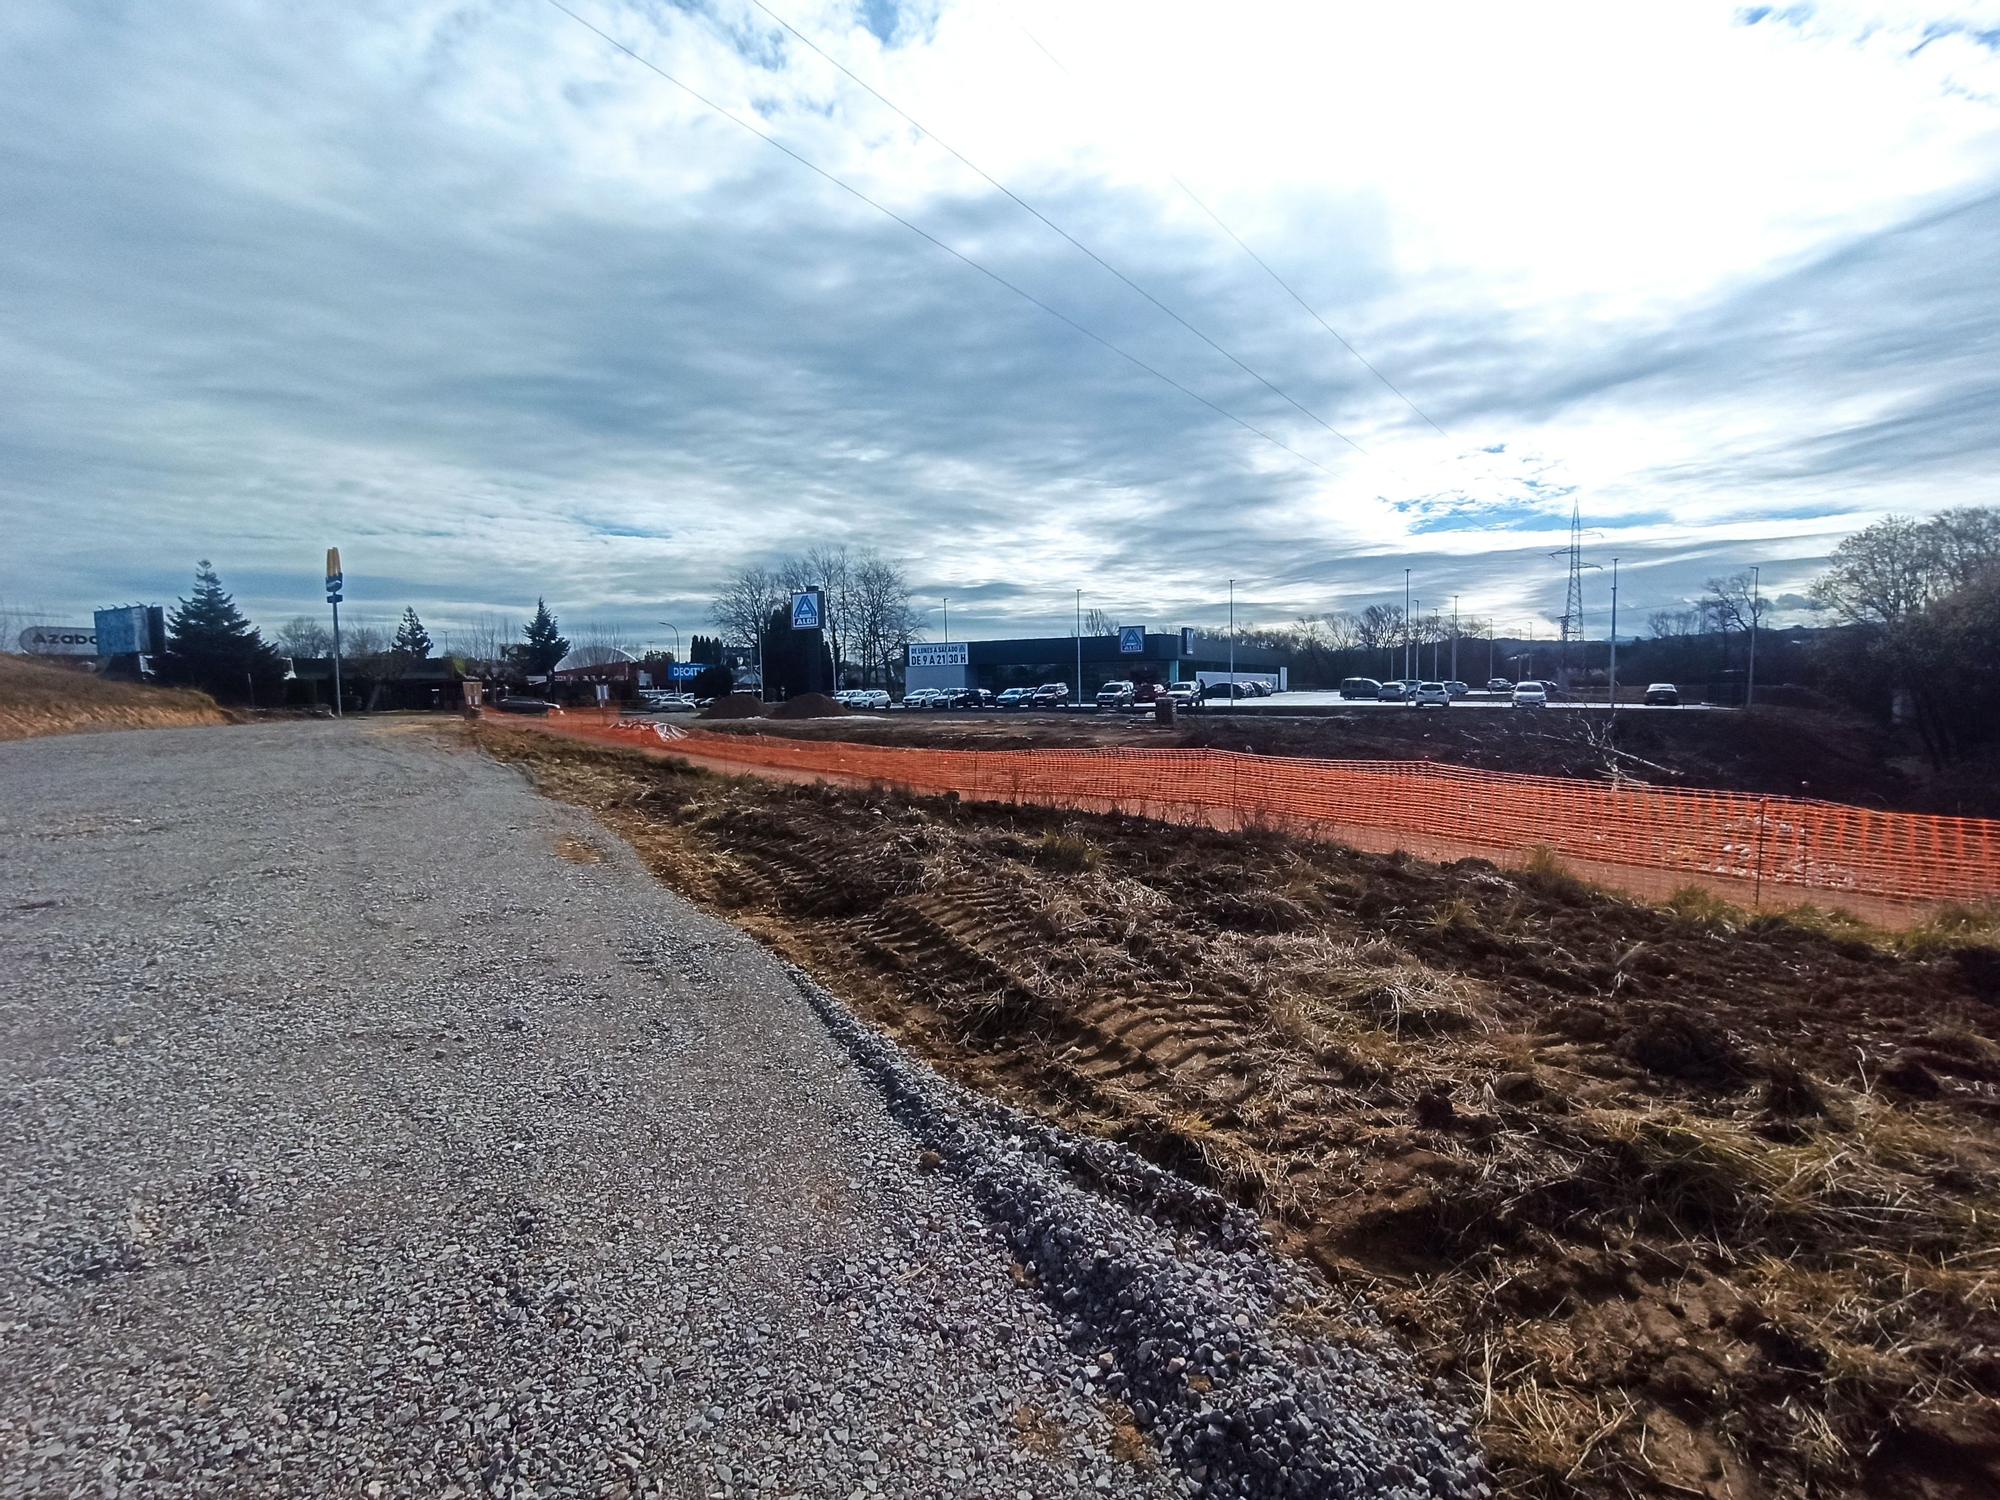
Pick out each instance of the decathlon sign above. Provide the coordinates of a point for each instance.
(59, 640)
(943, 654)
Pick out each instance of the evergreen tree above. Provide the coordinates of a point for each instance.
(211, 645)
(412, 640)
(543, 645)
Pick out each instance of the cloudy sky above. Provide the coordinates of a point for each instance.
(463, 288)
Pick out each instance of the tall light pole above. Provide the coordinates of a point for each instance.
(1232, 643)
(677, 636)
(1079, 646)
(1756, 601)
(1614, 635)
(1406, 624)
(1414, 668)
(947, 618)
(1454, 637)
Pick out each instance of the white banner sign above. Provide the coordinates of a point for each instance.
(59, 640)
(941, 655)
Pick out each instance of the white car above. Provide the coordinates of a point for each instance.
(1531, 695)
(1431, 695)
(868, 698)
(922, 698)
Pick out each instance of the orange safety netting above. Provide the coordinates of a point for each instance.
(1642, 838)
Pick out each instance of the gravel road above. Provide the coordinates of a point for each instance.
(370, 1126)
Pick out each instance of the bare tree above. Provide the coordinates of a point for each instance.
(884, 621)
(303, 636)
(743, 608)
(830, 570)
(483, 641)
(1379, 625)
(361, 641)
(1099, 622)
(1888, 572)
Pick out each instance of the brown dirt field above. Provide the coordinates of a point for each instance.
(1775, 751)
(38, 699)
(1682, 1203)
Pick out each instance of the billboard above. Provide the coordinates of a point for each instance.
(130, 630)
(942, 654)
(59, 640)
(685, 671)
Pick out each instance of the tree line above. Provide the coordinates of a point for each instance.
(869, 619)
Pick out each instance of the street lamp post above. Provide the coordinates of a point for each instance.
(1079, 646)
(947, 618)
(1454, 637)
(1232, 643)
(1406, 624)
(1614, 635)
(677, 636)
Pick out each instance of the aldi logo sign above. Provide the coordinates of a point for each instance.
(1132, 640)
(808, 610)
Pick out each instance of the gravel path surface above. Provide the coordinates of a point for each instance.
(370, 1126)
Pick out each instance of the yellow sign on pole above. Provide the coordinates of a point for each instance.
(333, 562)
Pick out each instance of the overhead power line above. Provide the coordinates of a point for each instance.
(1289, 290)
(935, 139)
(920, 231)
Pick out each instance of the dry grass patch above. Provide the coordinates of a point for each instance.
(38, 699)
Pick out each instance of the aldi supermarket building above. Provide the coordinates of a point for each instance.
(1134, 654)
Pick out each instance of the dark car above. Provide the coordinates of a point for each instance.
(1227, 689)
(1016, 697)
(1050, 695)
(1663, 695)
(968, 698)
(1365, 688)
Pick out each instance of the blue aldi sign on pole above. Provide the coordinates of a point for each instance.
(1132, 640)
(806, 610)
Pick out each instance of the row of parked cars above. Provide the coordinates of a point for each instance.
(1113, 695)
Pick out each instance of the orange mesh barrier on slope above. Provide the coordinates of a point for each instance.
(1649, 840)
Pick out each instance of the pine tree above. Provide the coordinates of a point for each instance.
(542, 644)
(212, 645)
(412, 640)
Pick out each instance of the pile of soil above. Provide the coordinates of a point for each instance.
(734, 706)
(1682, 1203)
(809, 706)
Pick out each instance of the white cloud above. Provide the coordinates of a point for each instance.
(461, 287)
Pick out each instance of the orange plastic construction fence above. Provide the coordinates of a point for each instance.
(1649, 840)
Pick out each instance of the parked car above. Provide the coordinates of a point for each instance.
(1394, 692)
(1431, 695)
(967, 698)
(1663, 695)
(868, 698)
(1050, 695)
(1148, 692)
(1227, 689)
(1015, 697)
(1457, 689)
(1183, 693)
(1499, 685)
(922, 698)
(1365, 688)
(1118, 694)
(1531, 695)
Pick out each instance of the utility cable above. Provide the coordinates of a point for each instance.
(916, 229)
(1002, 187)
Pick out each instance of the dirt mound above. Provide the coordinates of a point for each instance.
(1687, 1210)
(37, 698)
(809, 706)
(734, 706)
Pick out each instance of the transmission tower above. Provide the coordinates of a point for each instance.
(1572, 616)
